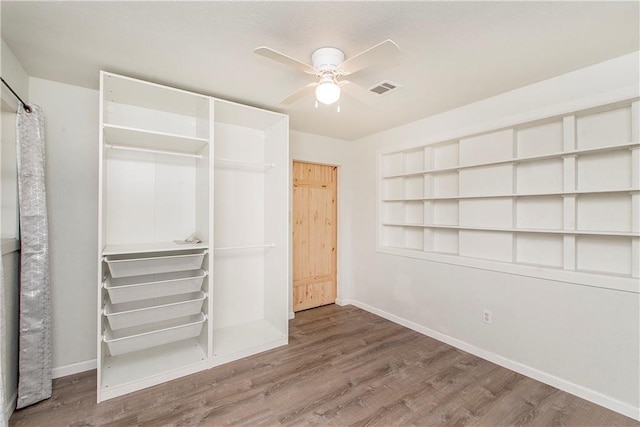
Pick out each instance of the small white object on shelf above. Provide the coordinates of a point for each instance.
(191, 240)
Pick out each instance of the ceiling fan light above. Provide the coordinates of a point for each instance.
(327, 92)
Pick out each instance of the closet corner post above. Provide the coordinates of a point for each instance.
(211, 231)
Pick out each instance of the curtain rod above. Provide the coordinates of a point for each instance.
(24, 104)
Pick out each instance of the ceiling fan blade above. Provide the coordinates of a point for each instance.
(387, 51)
(282, 58)
(299, 94)
(358, 92)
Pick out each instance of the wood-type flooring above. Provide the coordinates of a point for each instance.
(343, 366)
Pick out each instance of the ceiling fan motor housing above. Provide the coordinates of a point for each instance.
(327, 59)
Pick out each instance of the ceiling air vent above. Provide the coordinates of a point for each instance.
(384, 87)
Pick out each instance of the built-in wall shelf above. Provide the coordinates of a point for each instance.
(561, 193)
(499, 196)
(560, 154)
(517, 230)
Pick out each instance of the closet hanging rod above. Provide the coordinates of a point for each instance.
(232, 248)
(26, 106)
(244, 162)
(149, 150)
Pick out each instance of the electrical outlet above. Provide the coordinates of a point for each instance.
(486, 316)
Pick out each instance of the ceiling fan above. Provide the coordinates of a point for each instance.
(329, 66)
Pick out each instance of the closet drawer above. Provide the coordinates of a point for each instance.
(130, 265)
(153, 285)
(130, 314)
(127, 340)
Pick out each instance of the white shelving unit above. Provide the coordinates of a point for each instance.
(250, 300)
(162, 306)
(546, 198)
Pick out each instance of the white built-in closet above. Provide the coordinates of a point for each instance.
(175, 164)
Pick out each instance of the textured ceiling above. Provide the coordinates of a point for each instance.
(453, 53)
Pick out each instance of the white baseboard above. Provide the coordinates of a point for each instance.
(74, 368)
(292, 315)
(564, 385)
(11, 404)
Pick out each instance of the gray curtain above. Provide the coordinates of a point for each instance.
(34, 380)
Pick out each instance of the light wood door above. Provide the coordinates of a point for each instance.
(314, 235)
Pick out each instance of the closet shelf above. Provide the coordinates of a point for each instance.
(501, 196)
(233, 340)
(119, 372)
(137, 139)
(139, 248)
(243, 163)
(517, 230)
(147, 150)
(559, 154)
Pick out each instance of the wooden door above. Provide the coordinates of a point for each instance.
(314, 235)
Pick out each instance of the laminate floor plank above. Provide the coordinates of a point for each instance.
(343, 366)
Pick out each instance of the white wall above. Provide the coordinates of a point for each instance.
(582, 339)
(71, 133)
(16, 76)
(329, 151)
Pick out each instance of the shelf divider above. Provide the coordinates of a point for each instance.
(635, 180)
